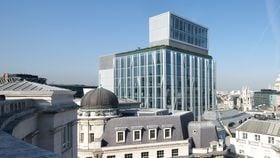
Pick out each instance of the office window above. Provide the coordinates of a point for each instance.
(81, 137)
(91, 137)
(152, 134)
(67, 136)
(257, 137)
(128, 155)
(160, 154)
(145, 155)
(175, 152)
(137, 135)
(271, 140)
(111, 156)
(244, 135)
(120, 137)
(167, 133)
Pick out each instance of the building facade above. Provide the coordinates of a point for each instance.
(267, 99)
(38, 114)
(174, 73)
(103, 133)
(173, 30)
(245, 101)
(259, 139)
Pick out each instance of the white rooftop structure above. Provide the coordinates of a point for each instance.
(277, 83)
(170, 29)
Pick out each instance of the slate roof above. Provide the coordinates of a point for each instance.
(226, 116)
(202, 133)
(10, 147)
(23, 85)
(261, 127)
(178, 123)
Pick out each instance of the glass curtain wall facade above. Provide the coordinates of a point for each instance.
(186, 31)
(167, 79)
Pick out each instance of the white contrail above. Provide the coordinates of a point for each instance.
(272, 13)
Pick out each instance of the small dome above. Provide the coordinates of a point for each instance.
(99, 98)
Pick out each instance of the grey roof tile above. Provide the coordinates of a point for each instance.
(23, 85)
(11, 147)
(261, 127)
(179, 126)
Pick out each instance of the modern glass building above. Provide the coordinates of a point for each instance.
(188, 32)
(174, 73)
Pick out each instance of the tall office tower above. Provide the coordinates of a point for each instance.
(174, 73)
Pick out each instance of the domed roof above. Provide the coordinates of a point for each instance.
(99, 98)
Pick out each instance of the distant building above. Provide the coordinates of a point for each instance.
(258, 139)
(226, 121)
(267, 99)
(40, 115)
(245, 101)
(277, 83)
(79, 89)
(175, 72)
(241, 99)
(27, 77)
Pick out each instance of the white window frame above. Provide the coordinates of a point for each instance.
(257, 137)
(81, 137)
(155, 134)
(140, 133)
(143, 154)
(117, 136)
(244, 135)
(170, 133)
(89, 137)
(129, 155)
(271, 140)
(175, 152)
(160, 153)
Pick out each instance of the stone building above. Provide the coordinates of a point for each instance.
(102, 133)
(40, 115)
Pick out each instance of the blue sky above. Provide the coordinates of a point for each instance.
(62, 40)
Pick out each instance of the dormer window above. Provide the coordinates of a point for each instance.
(152, 134)
(120, 136)
(136, 135)
(167, 133)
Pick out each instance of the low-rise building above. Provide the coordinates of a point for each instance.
(258, 139)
